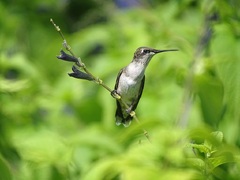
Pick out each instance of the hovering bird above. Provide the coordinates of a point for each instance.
(130, 83)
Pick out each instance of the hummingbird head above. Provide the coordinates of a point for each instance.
(145, 54)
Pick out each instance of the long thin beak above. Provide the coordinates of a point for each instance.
(166, 50)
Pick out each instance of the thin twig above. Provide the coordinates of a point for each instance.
(80, 64)
(97, 80)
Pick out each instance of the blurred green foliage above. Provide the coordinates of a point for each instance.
(56, 127)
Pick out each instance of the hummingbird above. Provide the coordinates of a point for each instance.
(130, 83)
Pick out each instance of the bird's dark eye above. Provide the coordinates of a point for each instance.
(146, 51)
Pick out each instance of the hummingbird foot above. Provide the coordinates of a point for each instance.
(115, 95)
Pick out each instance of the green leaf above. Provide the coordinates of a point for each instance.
(226, 55)
(218, 135)
(223, 158)
(210, 91)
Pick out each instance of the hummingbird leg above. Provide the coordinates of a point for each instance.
(129, 110)
(132, 107)
(115, 95)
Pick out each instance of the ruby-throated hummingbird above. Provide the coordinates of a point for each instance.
(130, 83)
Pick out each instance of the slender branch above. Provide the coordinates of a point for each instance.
(97, 80)
(80, 63)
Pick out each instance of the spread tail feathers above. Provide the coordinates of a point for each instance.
(125, 121)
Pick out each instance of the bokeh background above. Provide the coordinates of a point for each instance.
(56, 127)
